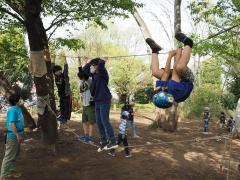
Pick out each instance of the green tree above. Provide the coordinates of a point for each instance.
(224, 47)
(14, 60)
(207, 91)
(27, 14)
(128, 76)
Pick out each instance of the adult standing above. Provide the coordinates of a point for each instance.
(102, 97)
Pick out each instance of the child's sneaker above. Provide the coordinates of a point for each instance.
(113, 154)
(90, 140)
(153, 45)
(83, 139)
(128, 155)
(111, 146)
(102, 147)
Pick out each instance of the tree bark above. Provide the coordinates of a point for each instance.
(8, 90)
(237, 118)
(44, 84)
(143, 27)
(169, 117)
(177, 16)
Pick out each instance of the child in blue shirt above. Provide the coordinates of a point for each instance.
(15, 134)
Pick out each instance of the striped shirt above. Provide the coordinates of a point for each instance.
(123, 127)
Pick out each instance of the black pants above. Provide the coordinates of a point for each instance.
(124, 140)
(65, 108)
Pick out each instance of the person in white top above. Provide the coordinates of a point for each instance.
(88, 114)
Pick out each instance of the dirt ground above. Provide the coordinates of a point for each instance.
(179, 161)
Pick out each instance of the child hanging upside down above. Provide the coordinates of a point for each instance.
(180, 86)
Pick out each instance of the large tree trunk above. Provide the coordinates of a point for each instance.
(143, 27)
(41, 70)
(237, 118)
(8, 90)
(169, 117)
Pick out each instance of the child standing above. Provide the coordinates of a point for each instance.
(64, 91)
(88, 114)
(122, 135)
(128, 107)
(222, 120)
(15, 136)
(206, 119)
(230, 124)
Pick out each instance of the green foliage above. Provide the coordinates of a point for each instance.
(224, 47)
(234, 88)
(14, 60)
(236, 4)
(71, 44)
(228, 101)
(143, 95)
(207, 91)
(128, 75)
(68, 12)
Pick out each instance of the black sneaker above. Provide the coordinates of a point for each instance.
(184, 39)
(110, 146)
(102, 147)
(180, 37)
(153, 45)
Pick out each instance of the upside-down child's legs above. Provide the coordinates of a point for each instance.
(156, 71)
(175, 75)
(181, 64)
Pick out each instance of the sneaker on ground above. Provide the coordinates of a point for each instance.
(102, 146)
(111, 146)
(112, 154)
(128, 155)
(90, 140)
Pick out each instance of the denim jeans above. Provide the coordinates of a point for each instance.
(104, 127)
(131, 124)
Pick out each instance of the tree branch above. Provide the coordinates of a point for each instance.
(16, 16)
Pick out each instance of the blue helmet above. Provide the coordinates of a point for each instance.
(125, 114)
(163, 100)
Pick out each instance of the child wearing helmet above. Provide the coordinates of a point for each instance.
(122, 135)
(179, 87)
(206, 118)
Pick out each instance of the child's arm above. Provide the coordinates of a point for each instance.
(65, 71)
(86, 69)
(102, 70)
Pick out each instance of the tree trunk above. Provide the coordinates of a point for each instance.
(143, 27)
(6, 86)
(237, 118)
(169, 117)
(177, 16)
(41, 70)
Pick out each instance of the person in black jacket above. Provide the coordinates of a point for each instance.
(102, 98)
(64, 91)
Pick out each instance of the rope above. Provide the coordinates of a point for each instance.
(140, 55)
